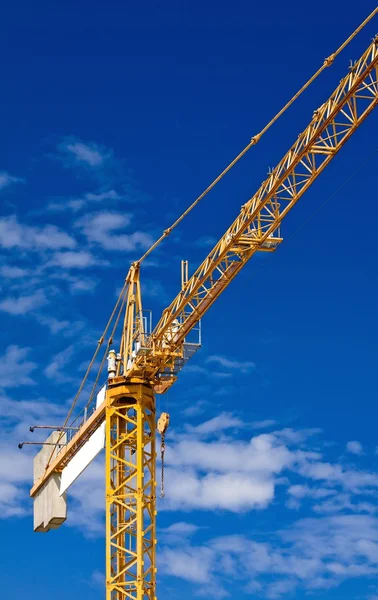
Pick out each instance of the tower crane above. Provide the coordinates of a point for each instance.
(148, 360)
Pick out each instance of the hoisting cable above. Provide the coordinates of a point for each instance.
(99, 344)
(162, 426)
(109, 343)
(256, 138)
(162, 451)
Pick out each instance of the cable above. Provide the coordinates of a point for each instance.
(110, 341)
(99, 344)
(255, 139)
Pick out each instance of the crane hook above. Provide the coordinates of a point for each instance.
(162, 426)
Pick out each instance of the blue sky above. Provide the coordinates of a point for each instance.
(114, 118)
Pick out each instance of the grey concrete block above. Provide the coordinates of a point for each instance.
(50, 509)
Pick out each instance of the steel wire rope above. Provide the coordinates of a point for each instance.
(110, 341)
(99, 344)
(255, 139)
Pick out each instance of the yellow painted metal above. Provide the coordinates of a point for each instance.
(130, 492)
(256, 138)
(257, 226)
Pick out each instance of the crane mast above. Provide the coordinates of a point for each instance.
(148, 363)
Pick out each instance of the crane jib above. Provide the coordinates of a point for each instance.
(332, 124)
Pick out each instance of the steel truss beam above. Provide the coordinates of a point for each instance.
(258, 223)
(130, 492)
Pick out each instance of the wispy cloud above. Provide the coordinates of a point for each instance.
(102, 228)
(13, 272)
(265, 424)
(155, 289)
(14, 234)
(354, 447)
(16, 416)
(6, 180)
(223, 422)
(77, 284)
(76, 204)
(311, 555)
(16, 368)
(23, 305)
(98, 579)
(55, 369)
(90, 154)
(66, 328)
(242, 366)
(75, 260)
(195, 408)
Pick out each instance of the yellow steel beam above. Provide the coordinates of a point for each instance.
(72, 447)
(258, 222)
(130, 492)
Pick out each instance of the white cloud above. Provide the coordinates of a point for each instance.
(76, 204)
(88, 154)
(75, 260)
(16, 466)
(23, 304)
(29, 412)
(229, 475)
(82, 286)
(335, 474)
(15, 368)
(263, 453)
(196, 369)
(242, 366)
(343, 502)
(236, 476)
(195, 408)
(292, 436)
(6, 179)
(265, 424)
(181, 528)
(311, 554)
(101, 196)
(177, 533)
(78, 284)
(354, 447)
(59, 361)
(98, 579)
(67, 328)
(304, 491)
(10, 272)
(10, 500)
(191, 564)
(100, 228)
(223, 421)
(17, 235)
(234, 492)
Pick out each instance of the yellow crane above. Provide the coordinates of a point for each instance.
(148, 361)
